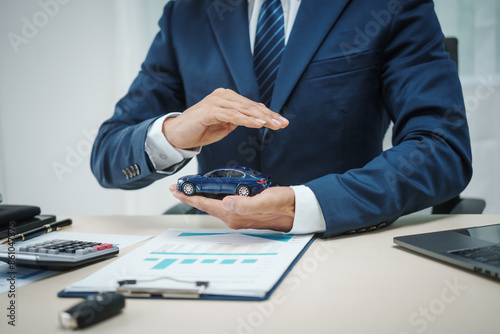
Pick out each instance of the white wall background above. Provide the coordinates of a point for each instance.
(56, 90)
(60, 84)
(476, 24)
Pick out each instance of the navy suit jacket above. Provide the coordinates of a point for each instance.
(349, 68)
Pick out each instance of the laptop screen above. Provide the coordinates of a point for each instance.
(489, 233)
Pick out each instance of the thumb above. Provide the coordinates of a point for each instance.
(228, 203)
(241, 205)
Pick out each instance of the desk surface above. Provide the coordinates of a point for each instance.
(352, 284)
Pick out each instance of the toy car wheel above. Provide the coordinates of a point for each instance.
(243, 190)
(188, 188)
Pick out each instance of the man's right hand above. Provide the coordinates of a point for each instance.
(216, 116)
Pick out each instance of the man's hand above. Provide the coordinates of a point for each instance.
(274, 208)
(216, 116)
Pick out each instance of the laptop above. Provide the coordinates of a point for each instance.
(475, 248)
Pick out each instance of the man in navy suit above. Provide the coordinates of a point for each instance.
(347, 68)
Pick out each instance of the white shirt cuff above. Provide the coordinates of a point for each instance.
(161, 153)
(308, 214)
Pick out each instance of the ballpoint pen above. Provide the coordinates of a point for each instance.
(56, 226)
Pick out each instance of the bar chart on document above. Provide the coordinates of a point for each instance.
(238, 263)
(222, 253)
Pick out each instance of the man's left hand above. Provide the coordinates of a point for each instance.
(273, 208)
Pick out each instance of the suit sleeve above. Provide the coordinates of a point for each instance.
(430, 161)
(118, 157)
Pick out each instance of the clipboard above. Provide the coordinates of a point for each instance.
(196, 290)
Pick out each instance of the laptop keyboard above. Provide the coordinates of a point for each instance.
(489, 255)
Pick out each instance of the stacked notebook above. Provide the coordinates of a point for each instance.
(15, 219)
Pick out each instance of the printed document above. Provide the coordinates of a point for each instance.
(245, 263)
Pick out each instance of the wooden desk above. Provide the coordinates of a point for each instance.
(353, 284)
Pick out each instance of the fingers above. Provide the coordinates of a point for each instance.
(215, 117)
(231, 107)
(204, 204)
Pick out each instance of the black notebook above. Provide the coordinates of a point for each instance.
(16, 213)
(26, 225)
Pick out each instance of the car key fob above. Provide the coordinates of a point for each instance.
(92, 310)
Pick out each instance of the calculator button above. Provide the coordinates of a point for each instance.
(53, 251)
(43, 250)
(82, 251)
(91, 249)
(108, 246)
(23, 249)
(32, 249)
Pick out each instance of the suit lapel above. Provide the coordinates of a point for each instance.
(230, 26)
(314, 20)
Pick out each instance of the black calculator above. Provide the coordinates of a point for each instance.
(58, 254)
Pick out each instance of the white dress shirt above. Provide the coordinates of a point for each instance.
(308, 214)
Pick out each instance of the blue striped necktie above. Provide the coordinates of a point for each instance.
(268, 47)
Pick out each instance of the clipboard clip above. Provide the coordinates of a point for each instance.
(129, 288)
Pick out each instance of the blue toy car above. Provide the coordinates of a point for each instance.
(241, 181)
